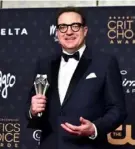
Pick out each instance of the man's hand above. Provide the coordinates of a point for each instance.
(38, 104)
(85, 129)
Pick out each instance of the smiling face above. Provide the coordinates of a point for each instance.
(71, 32)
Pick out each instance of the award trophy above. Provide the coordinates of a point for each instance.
(41, 85)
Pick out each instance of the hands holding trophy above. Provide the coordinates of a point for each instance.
(41, 85)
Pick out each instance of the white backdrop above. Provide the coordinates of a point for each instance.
(61, 3)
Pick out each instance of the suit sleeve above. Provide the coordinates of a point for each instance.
(33, 122)
(115, 109)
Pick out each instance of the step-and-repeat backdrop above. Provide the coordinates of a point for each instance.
(26, 34)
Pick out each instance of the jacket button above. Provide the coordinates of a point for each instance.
(62, 113)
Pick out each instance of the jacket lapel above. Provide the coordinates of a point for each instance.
(80, 70)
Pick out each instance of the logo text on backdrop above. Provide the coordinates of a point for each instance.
(128, 84)
(9, 133)
(121, 136)
(53, 32)
(36, 135)
(6, 81)
(13, 31)
(120, 30)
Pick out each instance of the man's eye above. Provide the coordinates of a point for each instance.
(61, 27)
(76, 25)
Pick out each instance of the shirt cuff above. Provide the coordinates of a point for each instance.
(30, 115)
(94, 135)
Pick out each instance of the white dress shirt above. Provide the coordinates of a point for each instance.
(65, 73)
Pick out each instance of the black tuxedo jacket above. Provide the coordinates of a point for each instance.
(99, 99)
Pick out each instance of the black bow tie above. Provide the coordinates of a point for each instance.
(76, 56)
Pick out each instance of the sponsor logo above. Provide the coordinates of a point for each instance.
(9, 133)
(53, 33)
(6, 81)
(128, 84)
(121, 136)
(13, 31)
(120, 30)
(36, 136)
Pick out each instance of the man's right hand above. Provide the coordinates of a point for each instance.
(38, 104)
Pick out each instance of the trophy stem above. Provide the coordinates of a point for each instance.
(45, 89)
(36, 90)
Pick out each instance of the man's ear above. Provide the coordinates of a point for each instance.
(85, 30)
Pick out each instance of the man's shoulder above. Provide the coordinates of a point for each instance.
(48, 58)
(103, 56)
(105, 60)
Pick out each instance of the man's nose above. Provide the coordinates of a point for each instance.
(69, 30)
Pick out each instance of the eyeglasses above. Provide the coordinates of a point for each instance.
(75, 27)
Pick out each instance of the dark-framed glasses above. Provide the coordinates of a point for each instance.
(75, 27)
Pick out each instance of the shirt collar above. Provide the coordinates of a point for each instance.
(81, 50)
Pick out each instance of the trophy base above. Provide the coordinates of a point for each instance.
(39, 114)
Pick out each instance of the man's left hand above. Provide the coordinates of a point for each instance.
(86, 128)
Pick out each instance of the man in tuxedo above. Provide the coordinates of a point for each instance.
(85, 100)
